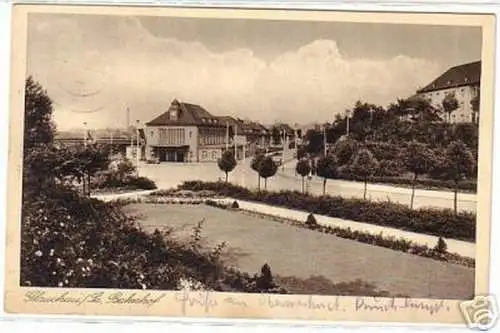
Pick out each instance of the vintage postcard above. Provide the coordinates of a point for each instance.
(252, 164)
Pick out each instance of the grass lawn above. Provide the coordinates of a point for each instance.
(297, 254)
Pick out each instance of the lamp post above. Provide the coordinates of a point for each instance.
(227, 135)
(347, 122)
(137, 143)
(283, 155)
(324, 140)
(235, 143)
(85, 134)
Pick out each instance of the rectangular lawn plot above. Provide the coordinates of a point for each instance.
(301, 253)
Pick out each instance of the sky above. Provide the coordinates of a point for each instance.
(95, 67)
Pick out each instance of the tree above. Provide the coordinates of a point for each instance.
(39, 128)
(459, 164)
(314, 141)
(475, 104)
(344, 150)
(301, 152)
(303, 168)
(267, 169)
(364, 165)
(40, 156)
(450, 104)
(327, 169)
(255, 165)
(227, 162)
(276, 135)
(468, 133)
(441, 246)
(419, 159)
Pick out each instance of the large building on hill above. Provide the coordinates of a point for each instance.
(463, 82)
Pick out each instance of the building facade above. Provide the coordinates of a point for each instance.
(185, 133)
(462, 82)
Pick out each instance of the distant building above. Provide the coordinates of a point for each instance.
(463, 82)
(185, 133)
(247, 135)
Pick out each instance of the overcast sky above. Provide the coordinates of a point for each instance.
(94, 67)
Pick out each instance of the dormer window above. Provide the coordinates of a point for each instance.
(173, 114)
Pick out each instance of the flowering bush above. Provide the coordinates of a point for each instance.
(74, 241)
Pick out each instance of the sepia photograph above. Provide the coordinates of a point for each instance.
(280, 154)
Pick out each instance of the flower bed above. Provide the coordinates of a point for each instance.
(436, 222)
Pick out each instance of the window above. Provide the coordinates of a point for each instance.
(214, 155)
(204, 154)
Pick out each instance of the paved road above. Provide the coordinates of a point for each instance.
(172, 174)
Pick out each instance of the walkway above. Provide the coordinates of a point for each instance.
(462, 248)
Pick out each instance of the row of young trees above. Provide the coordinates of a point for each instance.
(263, 165)
(456, 163)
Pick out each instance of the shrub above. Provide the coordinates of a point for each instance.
(235, 205)
(441, 246)
(142, 183)
(311, 221)
(438, 222)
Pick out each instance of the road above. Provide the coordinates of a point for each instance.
(170, 175)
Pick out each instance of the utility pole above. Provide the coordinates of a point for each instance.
(137, 144)
(283, 156)
(85, 134)
(227, 135)
(324, 140)
(235, 143)
(128, 118)
(347, 124)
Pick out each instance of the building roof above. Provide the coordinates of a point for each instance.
(462, 75)
(188, 114)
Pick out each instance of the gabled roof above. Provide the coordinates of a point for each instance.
(462, 75)
(188, 114)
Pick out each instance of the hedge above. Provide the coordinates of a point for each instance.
(431, 221)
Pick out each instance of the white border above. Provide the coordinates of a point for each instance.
(11, 323)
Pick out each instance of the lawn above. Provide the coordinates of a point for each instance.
(297, 254)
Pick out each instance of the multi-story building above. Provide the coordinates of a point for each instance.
(185, 133)
(461, 81)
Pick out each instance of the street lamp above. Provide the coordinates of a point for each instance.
(85, 134)
(137, 143)
(324, 139)
(347, 113)
(283, 155)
